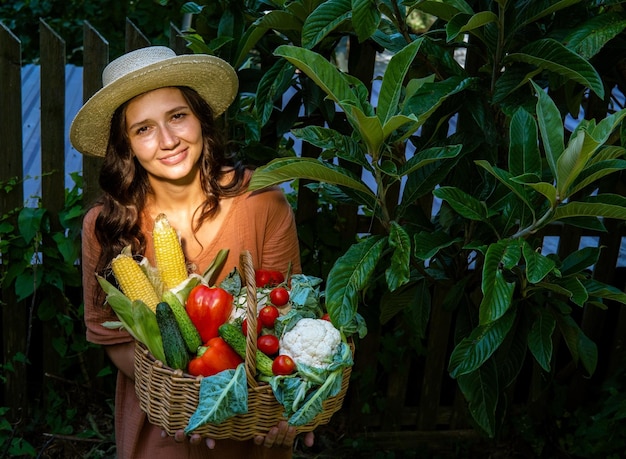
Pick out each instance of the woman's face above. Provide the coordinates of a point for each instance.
(164, 134)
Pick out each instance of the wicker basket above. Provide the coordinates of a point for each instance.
(170, 397)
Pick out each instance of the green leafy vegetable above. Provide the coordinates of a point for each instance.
(222, 396)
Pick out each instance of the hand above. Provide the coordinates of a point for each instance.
(282, 435)
(194, 439)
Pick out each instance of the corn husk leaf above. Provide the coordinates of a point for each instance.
(136, 317)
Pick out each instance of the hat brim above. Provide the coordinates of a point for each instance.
(210, 76)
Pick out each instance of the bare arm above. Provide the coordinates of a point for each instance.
(123, 357)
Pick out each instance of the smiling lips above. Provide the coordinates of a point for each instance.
(174, 158)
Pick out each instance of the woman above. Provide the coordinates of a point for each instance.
(153, 121)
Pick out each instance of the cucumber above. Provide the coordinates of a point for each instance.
(174, 347)
(237, 340)
(187, 328)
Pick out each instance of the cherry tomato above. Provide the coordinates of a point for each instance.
(325, 317)
(283, 365)
(244, 327)
(268, 315)
(279, 296)
(265, 277)
(267, 344)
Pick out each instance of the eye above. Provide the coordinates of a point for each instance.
(178, 115)
(141, 130)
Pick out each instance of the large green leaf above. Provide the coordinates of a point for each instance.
(272, 86)
(481, 390)
(524, 155)
(497, 291)
(349, 275)
(429, 97)
(428, 243)
(546, 189)
(507, 179)
(462, 23)
(393, 80)
(398, 273)
(328, 77)
(482, 342)
(538, 266)
(427, 156)
(595, 172)
(335, 143)
(583, 350)
(540, 338)
(589, 209)
(550, 55)
(465, 204)
(602, 290)
(369, 128)
(323, 20)
(550, 127)
(444, 10)
(365, 18)
(575, 289)
(281, 170)
(579, 260)
(590, 37)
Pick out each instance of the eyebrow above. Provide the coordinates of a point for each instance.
(167, 113)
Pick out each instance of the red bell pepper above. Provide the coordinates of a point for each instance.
(215, 356)
(208, 308)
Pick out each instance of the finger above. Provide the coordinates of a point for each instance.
(290, 437)
(309, 439)
(270, 438)
(179, 436)
(195, 439)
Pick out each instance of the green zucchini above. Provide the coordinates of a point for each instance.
(174, 347)
(187, 328)
(237, 340)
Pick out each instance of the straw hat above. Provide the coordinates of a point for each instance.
(143, 70)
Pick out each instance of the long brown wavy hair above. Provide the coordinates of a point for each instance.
(125, 186)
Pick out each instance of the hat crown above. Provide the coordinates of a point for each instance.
(133, 61)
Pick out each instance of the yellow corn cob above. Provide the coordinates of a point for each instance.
(168, 253)
(133, 280)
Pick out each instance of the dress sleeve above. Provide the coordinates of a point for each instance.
(96, 313)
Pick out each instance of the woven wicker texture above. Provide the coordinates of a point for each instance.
(170, 397)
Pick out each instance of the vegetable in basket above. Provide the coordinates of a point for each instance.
(208, 308)
(215, 356)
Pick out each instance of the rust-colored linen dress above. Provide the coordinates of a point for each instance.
(261, 222)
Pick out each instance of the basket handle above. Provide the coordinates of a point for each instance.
(246, 269)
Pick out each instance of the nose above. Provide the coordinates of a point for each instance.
(169, 140)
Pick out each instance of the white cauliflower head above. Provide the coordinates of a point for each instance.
(311, 342)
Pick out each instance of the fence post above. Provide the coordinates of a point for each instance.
(14, 314)
(177, 40)
(135, 39)
(95, 59)
(52, 90)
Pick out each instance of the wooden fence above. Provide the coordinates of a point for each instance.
(421, 402)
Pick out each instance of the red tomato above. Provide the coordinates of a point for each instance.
(279, 296)
(265, 277)
(283, 365)
(208, 308)
(325, 317)
(268, 315)
(267, 344)
(244, 327)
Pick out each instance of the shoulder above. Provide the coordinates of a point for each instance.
(89, 219)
